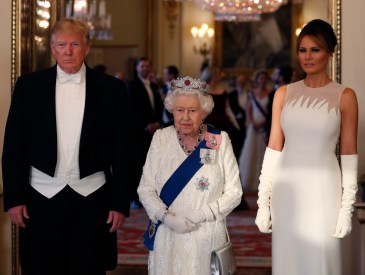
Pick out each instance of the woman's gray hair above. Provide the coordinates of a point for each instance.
(190, 87)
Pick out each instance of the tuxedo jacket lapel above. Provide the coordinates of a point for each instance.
(92, 109)
(48, 88)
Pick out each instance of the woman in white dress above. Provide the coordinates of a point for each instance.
(185, 212)
(305, 198)
(255, 143)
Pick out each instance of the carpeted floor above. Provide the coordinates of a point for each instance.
(142, 270)
(252, 248)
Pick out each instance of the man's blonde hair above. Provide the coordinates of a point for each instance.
(70, 25)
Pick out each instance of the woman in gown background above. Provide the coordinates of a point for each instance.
(253, 150)
(304, 195)
(222, 116)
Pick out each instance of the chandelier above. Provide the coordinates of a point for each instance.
(240, 10)
(94, 16)
(202, 37)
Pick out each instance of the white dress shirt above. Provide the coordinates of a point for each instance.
(147, 84)
(70, 104)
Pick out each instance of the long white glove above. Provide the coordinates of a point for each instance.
(179, 224)
(199, 215)
(349, 185)
(263, 217)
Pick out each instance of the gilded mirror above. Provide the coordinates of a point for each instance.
(30, 51)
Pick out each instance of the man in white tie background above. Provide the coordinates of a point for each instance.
(65, 161)
(147, 118)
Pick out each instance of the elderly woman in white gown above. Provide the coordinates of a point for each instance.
(190, 180)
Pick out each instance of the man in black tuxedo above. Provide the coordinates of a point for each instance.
(237, 98)
(147, 118)
(65, 161)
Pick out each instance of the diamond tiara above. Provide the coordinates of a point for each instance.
(188, 83)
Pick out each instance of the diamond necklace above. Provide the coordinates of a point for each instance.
(198, 140)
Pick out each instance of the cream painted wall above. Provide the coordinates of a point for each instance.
(128, 23)
(313, 9)
(5, 92)
(177, 49)
(353, 68)
(167, 42)
(192, 16)
(129, 37)
(353, 63)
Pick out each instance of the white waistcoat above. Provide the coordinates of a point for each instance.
(70, 103)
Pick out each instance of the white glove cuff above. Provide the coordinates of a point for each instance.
(271, 158)
(349, 165)
(208, 213)
(161, 214)
(271, 155)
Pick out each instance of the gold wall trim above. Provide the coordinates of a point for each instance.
(15, 68)
(335, 20)
(15, 45)
(149, 30)
(338, 69)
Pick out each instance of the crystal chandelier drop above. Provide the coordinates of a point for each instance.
(94, 15)
(240, 10)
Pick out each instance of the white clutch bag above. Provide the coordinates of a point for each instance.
(222, 259)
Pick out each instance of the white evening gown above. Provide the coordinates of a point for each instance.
(253, 150)
(187, 254)
(306, 192)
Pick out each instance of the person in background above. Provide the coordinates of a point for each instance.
(170, 73)
(65, 161)
(221, 116)
(146, 107)
(157, 80)
(255, 143)
(185, 187)
(238, 98)
(305, 197)
(121, 75)
(101, 68)
(282, 75)
(295, 76)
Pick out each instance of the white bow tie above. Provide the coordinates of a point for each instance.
(69, 78)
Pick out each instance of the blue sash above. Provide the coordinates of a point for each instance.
(175, 184)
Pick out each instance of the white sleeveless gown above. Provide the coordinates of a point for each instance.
(306, 193)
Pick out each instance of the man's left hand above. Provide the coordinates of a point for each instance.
(116, 219)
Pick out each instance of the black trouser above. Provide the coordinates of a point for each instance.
(67, 235)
